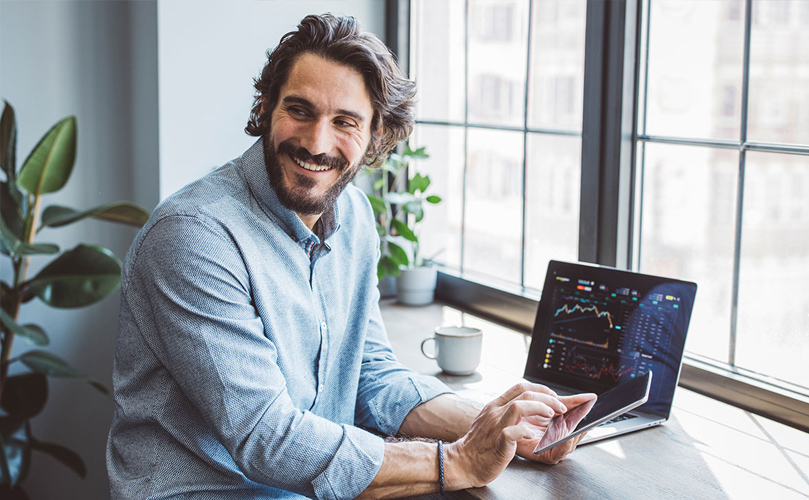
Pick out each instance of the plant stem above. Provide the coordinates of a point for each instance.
(20, 273)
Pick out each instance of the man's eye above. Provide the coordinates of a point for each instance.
(297, 111)
(343, 123)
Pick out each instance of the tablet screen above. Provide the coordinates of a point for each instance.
(610, 404)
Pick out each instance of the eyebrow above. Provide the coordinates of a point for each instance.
(291, 99)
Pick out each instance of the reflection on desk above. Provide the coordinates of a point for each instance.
(708, 450)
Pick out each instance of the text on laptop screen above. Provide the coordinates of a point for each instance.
(597, 327)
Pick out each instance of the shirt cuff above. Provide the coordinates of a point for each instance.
(391, 405)
(354, 466)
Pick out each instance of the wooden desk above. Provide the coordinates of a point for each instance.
(707, 450)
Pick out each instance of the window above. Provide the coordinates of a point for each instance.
(718, 160)
(499, 111)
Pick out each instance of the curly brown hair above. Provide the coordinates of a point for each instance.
(341, 40)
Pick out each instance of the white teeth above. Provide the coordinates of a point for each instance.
(309, 166)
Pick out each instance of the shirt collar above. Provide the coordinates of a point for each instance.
(255, 171)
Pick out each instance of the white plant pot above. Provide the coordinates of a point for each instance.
(416, 286)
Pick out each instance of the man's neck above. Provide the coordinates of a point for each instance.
(309, 220)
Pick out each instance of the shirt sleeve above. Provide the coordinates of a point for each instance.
(189, 291)
(388, 391)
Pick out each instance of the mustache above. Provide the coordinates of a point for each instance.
(302, 154)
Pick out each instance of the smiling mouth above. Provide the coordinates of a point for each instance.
(311, 166)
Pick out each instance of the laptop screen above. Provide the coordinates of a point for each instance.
(597, 327)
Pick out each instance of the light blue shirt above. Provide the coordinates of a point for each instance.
(249, 351)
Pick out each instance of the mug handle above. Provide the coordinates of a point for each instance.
(422, 347)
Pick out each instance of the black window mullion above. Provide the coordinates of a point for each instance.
(607, 128)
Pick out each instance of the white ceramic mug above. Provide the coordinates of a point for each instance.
(457, 349)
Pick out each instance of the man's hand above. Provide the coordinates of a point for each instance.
(512, 423)
(558, 453)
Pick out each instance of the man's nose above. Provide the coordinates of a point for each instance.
(319, 137)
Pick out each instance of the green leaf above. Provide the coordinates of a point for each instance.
(387, 267)
(377, 204)
(419, 183)
(16, 450)
(32, 333)
(54, 366)
(397, 254)
(12, 206)
(404, 231)
(418, 153)
(77, 278)
(433, 199)
(63, 454)
(10, 244)
(123, 212)
(8, 141)
(24, 396)
(48, 167)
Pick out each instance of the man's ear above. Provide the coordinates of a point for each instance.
(263, 104)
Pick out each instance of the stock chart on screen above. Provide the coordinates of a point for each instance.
(606, 334)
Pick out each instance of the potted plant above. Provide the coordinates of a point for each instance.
(75, 278)
(398, 201)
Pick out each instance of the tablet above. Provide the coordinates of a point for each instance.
(614, 402)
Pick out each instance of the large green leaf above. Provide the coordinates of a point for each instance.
(32, 333)
(63, 454)
(8, 141)
(387, 267)
(404, 231)
(77, 278)
(24, 396)
(12, 207)
(49, 165)
(10, 244)
(377, 204)
(54, 366)
(397, 254)
(123, 212)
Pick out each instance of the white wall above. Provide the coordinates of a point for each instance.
(209, 53)
(107, 62)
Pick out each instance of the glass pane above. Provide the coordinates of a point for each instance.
(779, 72)
(553, 181)
(695, 69)
(440, 236)
(688, 231)
(493, 234)
(498, 55)
(438, 52)
(555, 94)
(773, 314)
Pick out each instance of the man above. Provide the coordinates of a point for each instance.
(251, 352)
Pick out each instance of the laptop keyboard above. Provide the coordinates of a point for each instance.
(620, 418)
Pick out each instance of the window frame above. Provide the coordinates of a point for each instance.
(612, 94)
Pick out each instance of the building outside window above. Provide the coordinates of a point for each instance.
(720, 170)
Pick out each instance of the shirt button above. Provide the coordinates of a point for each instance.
(323, 325)
(320, 388)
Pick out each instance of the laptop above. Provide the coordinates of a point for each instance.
(597, 327)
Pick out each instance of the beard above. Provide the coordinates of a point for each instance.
(296, 194)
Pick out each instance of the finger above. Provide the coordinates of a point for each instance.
(577, 399)
(518, 432)
(518, 389)
(519, 409)
(553, 401)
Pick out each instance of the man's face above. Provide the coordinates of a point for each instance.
(320, 130)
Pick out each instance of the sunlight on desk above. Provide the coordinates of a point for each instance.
(707, 450)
